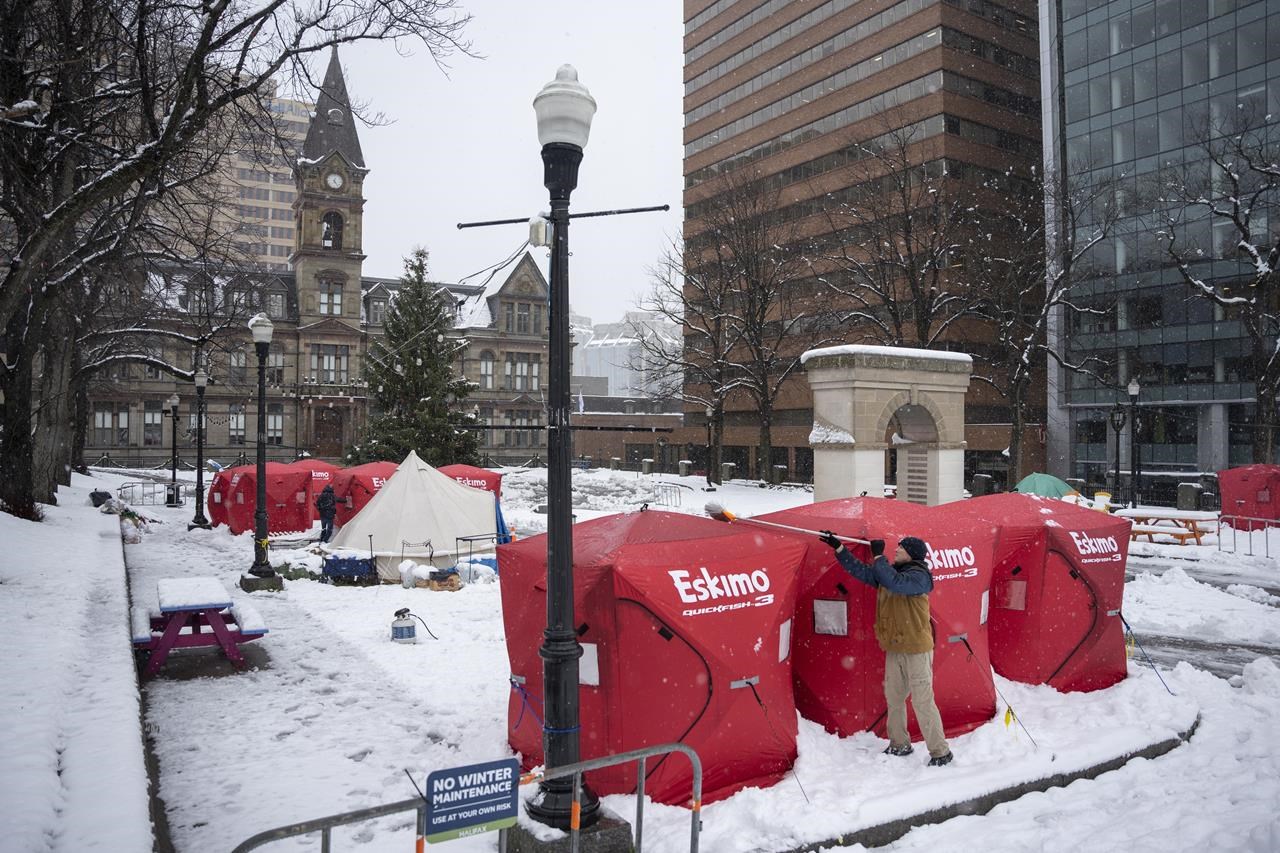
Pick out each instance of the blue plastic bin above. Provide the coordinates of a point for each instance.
(349, 568)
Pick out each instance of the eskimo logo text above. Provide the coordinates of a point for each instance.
(1099, 549)
(748, 589)
(962, 560)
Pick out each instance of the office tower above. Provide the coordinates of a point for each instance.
(795, 95)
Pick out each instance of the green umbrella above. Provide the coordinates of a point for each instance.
(1045, 485)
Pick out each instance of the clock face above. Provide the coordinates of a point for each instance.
(334, 180)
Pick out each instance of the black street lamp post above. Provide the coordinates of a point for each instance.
(1117, 424)
(261, 576)
(198, 520)
(564, 109)
(710, 456)
(173, 499)
(1134, 469)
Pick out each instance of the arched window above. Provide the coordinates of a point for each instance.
(331, 230)
(486, 371)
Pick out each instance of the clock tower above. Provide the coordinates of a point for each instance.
(329, 209)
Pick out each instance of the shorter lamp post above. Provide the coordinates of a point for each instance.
(198, 520)
(710, 455)
(261, 576)
(1117, 424)
(1134, 471)
(172, 403)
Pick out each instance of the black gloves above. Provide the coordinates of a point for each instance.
(829, 539)
(877, 547)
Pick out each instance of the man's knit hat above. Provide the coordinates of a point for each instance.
(915, 548)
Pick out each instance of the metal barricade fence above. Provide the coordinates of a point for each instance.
(143, 493)
(668, 494)
(1251, 526)
(325, 825)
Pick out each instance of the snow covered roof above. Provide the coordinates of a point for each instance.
(861, 349)
(473, 313)
(600, 343)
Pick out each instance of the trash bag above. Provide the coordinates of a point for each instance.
(98, 497)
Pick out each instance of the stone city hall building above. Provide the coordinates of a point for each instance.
(325, 313)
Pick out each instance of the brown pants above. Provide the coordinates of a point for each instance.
(912, 675)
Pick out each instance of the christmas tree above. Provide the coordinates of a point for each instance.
(416, 399)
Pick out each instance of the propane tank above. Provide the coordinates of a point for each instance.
(402, 628)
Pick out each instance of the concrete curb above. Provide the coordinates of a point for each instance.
(886, 833)
(162, 842)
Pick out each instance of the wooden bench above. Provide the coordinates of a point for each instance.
(249, 622)
(140, 621)
(1151, 531)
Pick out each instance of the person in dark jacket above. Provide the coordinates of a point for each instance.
(904, 632)
(327, 507)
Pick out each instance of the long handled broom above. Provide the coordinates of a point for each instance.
(719, 513)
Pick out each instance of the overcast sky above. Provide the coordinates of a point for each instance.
(464, 147)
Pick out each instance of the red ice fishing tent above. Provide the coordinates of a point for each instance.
(1056, 589)
(685, 625)
(322, 474)
(355, 487)
(1251, 492)
(476, 478)
(839, 666)
(288, 490)
(219, 489)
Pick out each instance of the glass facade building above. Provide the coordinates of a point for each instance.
(1130, 88)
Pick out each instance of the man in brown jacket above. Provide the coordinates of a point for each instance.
(904, 632)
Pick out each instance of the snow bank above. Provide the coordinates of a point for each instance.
(71, 761)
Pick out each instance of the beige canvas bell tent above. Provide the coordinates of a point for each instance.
(418, 514)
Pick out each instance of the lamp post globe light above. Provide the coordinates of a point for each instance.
(172, 404)
(564, 109)
(1134, 469)
(261, 576)
(198, 520)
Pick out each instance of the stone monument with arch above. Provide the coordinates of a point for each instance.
(868, 400)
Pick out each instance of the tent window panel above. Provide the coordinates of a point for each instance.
(986, 607)
(1011, 594)
(784, 641)
(831, 616)
(589, 665)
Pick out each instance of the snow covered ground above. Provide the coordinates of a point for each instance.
(333, 714)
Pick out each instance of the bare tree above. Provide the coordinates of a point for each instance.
(894, 232)
(1225, 205)
(697, 369)
(1019, 291)
(105, 110)
(753, 255)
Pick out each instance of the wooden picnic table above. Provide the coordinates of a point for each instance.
(1179, 524)
(193, 612)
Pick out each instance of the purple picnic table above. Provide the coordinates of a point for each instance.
(194, 612)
